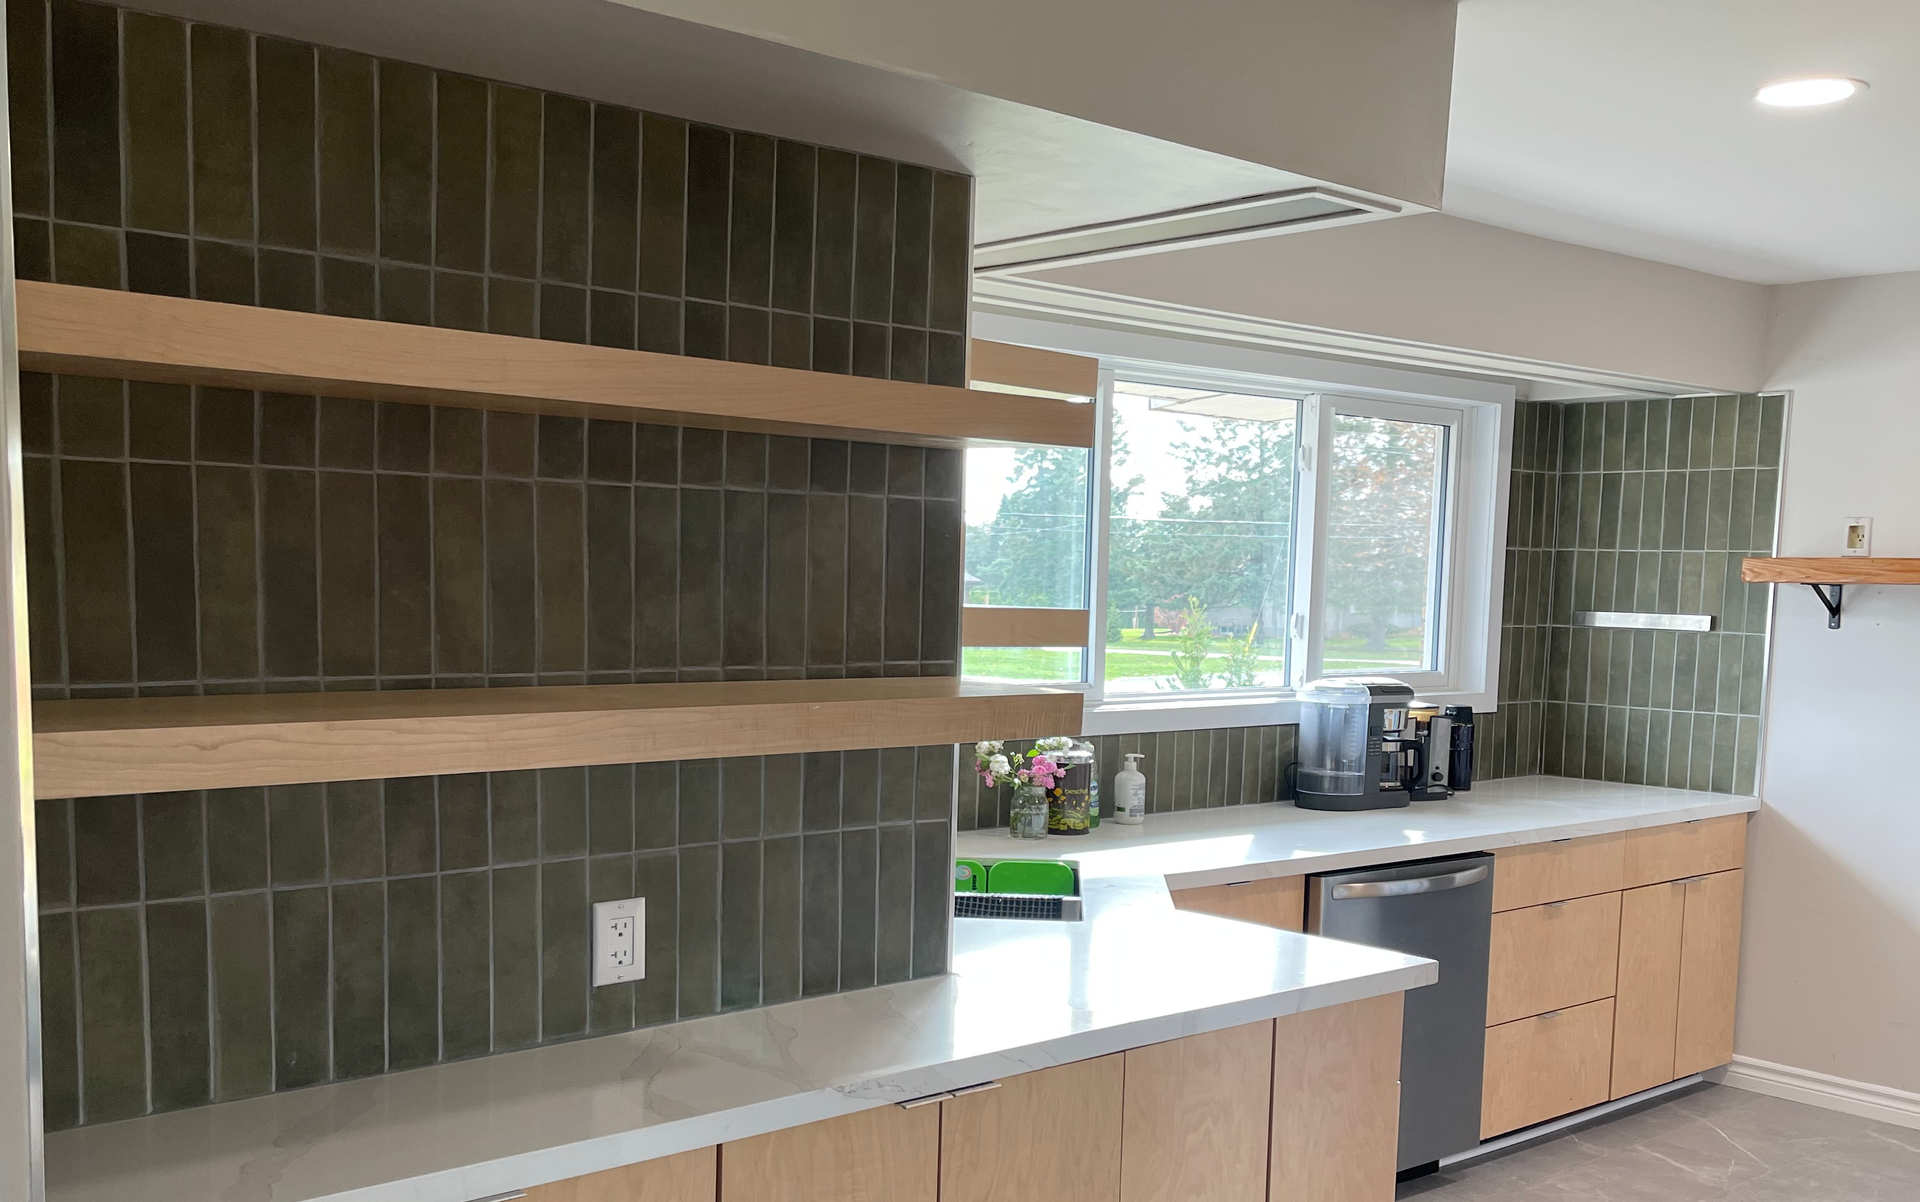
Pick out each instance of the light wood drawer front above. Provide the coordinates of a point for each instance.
(1565, 868)
(1194, 1119)
(1275, 902)
(1553, 956)
(1709, 973)
(1543, 1067)
(1668, 853)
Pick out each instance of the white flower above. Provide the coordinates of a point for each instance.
(998, 765)
(1053, 743)
(987, 747)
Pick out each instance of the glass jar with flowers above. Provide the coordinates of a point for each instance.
(1030, 774)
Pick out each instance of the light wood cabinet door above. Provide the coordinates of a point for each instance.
(1553, 956)
(1275, 902)
(1336, 1103)
(881, 1155)
(1546, 1066)
(1566, 868)
(1647, 996)
(1669, 853)
(1709, 973)
(686, 1177)
(1046, 1136)
(1196, 1113)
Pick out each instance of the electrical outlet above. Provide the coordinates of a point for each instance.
(1859, 537)
(619, 941)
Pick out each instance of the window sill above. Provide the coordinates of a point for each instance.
(1146, 715)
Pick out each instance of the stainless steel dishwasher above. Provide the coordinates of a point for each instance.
(1443, 910)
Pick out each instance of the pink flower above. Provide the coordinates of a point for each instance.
(1045, 771)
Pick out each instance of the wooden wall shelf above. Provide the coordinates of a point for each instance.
(1828, 576)
(104, 746)
(1011, 626)
(103, 332)
(1030, 371)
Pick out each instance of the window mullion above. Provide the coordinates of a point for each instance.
(1099, 478)
(1310, 540)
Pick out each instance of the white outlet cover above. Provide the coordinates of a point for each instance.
(619, 941)
(1857, 539)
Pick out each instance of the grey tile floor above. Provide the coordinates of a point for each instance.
(1705, 1145)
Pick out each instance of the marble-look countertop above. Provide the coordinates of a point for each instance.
(1021, 996)
(1231, 844)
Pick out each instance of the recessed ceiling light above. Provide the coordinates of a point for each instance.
(1808, 93)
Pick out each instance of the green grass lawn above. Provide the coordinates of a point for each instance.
(1133, 658)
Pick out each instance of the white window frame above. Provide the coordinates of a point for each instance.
(1469, 578)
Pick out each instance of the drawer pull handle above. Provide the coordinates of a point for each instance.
(1407, 888)
(512, 1195)
(983, 1087)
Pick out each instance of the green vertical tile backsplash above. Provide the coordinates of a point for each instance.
(211, 945)
(1641, 506)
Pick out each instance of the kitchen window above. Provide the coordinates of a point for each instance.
(1233, 537)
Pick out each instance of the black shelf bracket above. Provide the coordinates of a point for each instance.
(1832, 603)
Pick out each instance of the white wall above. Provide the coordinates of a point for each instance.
(1830, 979)
(1440, 281)
(1351, 92)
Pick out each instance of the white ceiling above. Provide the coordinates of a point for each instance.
(1629, 125)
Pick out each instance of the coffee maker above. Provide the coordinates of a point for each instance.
(1365, 745)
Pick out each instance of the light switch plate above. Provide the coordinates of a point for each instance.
(619, 941)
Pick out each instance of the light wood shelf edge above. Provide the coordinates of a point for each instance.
(1830, 570)
(105, 746)
(1011, 626)
(164, 339)
(1031, 371)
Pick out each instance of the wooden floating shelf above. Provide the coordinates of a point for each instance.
(104, 746)
(1009, 626)
(104, 332)
(1030, 371)
(1828, 576)
(1832, 570)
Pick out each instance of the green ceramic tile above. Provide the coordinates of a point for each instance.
(743, 579)
(1613, 437)
(820, 918)
(516, 941)
(29, 100)
(1661, 670)
(699, 921)
(405, 566)
(93, 506)
(860, 787)
(347, 201)
(1632, 493)
(822, 790)
(1719, 509)
(610, 808)
(563, 811)
(859, 882)
(242, 996)
(356, 826)
(113, 1071)
(893, 929)
(237, 847)
(832, 349)
(1634, 435)
(411, 825)
(53, 844)
(563, 952)
(1746, 762)
(949, 261)
(297, 826)
(1614, 757)
(86, 256)
(1640, 669)
(1594, 766)
(1753, 673)
(1680, 750)
(740, 911)
(514, 808)
(359, 923)
(874, 240)
(300, 934)
(406, 95)
(902, 580)
(460, 172)
(741, 793)
(700, 577)
(1707, 674)
(793, 216)
(1635, 766)
(663, 204)
(1732, 662)
(708, 165)
(413, 972)
(750, 249)
(656, 878)
(833, 236)
(459, 301)
(1726, 421)
(1773, 411)
(106, 833)
(870, 352)
(1766, 486)
(1723, 753)
(463, 814)
(176, 940)
(466, 968)
(1679, 433)
(86, 104)
(284, 104)
(932, 896)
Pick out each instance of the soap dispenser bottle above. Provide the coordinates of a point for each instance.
(1130, 793)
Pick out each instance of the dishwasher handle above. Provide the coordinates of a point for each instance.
(1411, 886)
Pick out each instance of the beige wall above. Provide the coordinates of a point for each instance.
(1441, 281)
(1352, 92)
(1831, 972)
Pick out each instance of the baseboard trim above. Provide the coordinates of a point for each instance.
(1881, 1102)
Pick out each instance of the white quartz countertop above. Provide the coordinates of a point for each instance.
(1226, 845)
(1022, 995)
